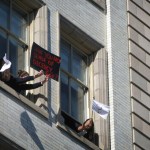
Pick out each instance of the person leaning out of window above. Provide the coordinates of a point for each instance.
(18, 83)
(86, 129)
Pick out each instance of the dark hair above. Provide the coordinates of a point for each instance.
(90, 132)
(87, 120)
(22, 73)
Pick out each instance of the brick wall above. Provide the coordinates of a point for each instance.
(139, 43)
(118, 70)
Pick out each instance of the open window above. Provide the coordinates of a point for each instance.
(77, 51)
(6, 144)
(16, 29)
(73, 77)
(13, 33)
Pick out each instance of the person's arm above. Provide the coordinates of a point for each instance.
(33, 86)
(25, 79)
(28, 78)
(30, 86)
(80, 128)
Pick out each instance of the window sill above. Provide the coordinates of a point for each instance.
(23, 99)
(80, 138)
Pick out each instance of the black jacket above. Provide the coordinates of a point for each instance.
(18, 84)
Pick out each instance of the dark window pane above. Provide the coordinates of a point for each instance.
(16, 55)
(3, 44)
(64, 93)
(77, 101)
(19, 24)
(7, 144)
(79, 65)
(73, 95)
(4, 14)
(65, 55)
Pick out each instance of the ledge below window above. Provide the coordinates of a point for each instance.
(80, 138)
(23, 99)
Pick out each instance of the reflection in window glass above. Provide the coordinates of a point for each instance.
(64, 93)
(3, 44)
(73, 81)
(77, 101)
(79, 66)
(16, 51)
(19, 25)
(4, 14)
(13, 27)
(65, 55)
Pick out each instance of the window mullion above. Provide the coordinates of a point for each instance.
(69, 83)
(23, 43)
(70, 68)
(9, 26)
(10, 15)
(75, 79)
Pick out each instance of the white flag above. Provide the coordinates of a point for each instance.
(6, 65)
(101, 109)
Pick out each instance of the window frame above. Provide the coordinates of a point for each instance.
(10, 36)
(31, 8)
(9, 144)
(76, 80)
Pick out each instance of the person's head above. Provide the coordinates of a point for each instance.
(88, 124)
(5, 75)
(22, 73)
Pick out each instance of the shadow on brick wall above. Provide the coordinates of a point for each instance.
(28, 125)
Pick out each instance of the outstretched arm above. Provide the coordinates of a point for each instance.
(23, 80)
(33, 86)
(30, 86)
(28, 78)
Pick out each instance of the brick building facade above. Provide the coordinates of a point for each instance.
(104, 50)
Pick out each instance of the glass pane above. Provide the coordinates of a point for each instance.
(19, 24)
(64, 93)
(4, 14)
(3, 44)
(79, 65)
(17, 56)
(77, 101)
(65, 55)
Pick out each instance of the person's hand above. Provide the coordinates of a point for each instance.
(40, 73)
(45, 80)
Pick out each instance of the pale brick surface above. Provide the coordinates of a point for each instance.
(135, 10)
(140, 67)
(138, 13)
(141, 126)
(141, 140)
(119, 95)
(139, 95)
(140, 110)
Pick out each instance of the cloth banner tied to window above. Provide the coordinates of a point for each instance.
(48, 62)
(100, 108)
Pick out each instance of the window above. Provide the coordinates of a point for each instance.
(73, 79)
(13, 33)
(7, 144)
